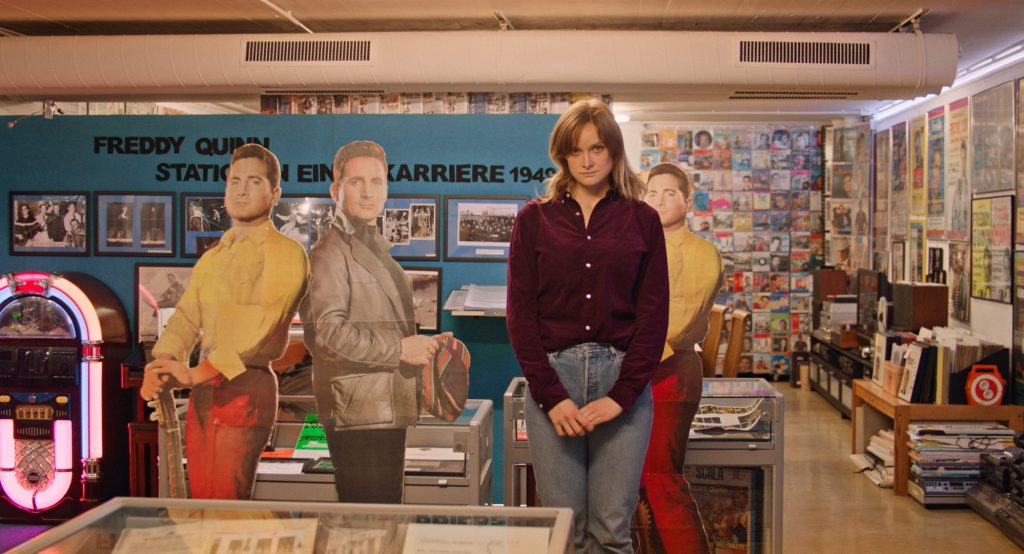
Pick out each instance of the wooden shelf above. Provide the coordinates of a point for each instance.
(871, 403)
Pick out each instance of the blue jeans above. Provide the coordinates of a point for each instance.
(598, 474)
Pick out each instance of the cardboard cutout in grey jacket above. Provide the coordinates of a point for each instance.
(360, 328)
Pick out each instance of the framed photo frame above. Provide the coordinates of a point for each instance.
(426, 296)
(49, 223)
(411, 223)
(992, 249)
(992, 139)
(899, 261)
(129, 224)
(158, 287)
(303, 218)
(479, 228)
(204, 218)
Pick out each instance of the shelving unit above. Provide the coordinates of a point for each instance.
(833, 371)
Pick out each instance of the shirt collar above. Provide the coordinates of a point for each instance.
(257, 236)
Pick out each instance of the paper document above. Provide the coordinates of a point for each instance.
(488, 297)
(474, 539)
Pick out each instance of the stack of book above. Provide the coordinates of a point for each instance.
(877, 462)
(946, 457)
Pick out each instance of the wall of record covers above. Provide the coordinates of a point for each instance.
(955, 165)
(758, 197)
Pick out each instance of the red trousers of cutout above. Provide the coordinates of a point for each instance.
(676, 388)
(226, 428)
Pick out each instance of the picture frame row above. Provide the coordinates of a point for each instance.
(477, 228)
(158, 287)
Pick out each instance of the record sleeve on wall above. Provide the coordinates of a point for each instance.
(957, 176)
(992, 139)
(936, 171)
(918, 187)
(991, 245)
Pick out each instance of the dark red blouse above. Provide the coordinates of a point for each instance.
(605, 283)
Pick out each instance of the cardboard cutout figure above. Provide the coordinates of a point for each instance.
(695, 275)
(360, 328)
(239, 303)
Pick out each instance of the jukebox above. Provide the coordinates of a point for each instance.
(62, 421)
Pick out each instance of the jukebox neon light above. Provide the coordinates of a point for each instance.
(60, 338)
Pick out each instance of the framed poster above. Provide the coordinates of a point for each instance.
(204, 220)
(1018, 329)
(916, 255)
(158, 287)
(49, 224)
(410, 224)
(957, 177)
(883, 150)
(899, 261)
(1020, 165)
(479, 228)
(426, 296)
(960, 281)
(991, 246)
(900, 204)
(129, 224)
(918, 192)
(303, 218)
(936, 173)
(992, 139)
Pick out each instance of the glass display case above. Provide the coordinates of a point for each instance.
(125, 525)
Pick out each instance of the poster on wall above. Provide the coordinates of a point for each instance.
(158, 287)
(936, 173)
(991, 244)
(960, 281)
(957, 177)
(1020, 162)
(129, 224)
(992, 139)
(1018, 328)
(49, 224)
(916, 255)
(900, 200)
(881, 223)
(918, 186)
(410, 223)
(899, 261)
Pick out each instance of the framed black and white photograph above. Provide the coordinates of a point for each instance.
(479, 228)
(49, 224)
(410, 223)
(130, 224)
(426, 296)
(204, 219)
(304, 218)
(158, 287)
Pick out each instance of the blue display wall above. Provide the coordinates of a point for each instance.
(443, 155)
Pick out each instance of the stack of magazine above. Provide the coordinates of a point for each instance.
(877, 461)
(946, 457)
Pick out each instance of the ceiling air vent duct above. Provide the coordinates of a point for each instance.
(831, 53)
(307, 50)
(793, 95)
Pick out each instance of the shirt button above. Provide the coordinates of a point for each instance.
(588, 327)
(588, 237)
(588, 264)
(588, 296)
(577, 213)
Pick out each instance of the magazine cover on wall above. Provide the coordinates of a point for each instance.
(158, 287)
(991, 245)
(957, 176)
(899, 261)
(426, 296)
(918, 144)
(1020, 161)
(134, 225)
(1018, 328)
(916, 267)
(900, 197)
(303, 218)
(992, 139)
(881, 195)
(410, 224)
(960, 281)
(204, 220)
(479, 228)
(936, 173)
(49, 224)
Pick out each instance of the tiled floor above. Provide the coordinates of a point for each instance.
(829, 508)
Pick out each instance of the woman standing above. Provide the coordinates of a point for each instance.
(587, 316)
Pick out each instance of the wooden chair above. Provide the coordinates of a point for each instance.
(713, 340)
(733, 350)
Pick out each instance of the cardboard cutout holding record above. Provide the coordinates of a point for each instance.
(370, 368)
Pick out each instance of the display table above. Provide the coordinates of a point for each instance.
(164, 525)
(873, 408)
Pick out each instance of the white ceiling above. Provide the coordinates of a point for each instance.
(982, 27)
